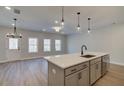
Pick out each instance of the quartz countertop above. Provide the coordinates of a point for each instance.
(68, 60)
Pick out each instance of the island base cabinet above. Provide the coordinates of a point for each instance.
(55, 75)
(80, 78)
(92, 74)
(95, 72)
(98, 70)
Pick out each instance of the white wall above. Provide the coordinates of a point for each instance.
(5, 53)
(109, 39)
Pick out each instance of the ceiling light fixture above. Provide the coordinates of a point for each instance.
(62, 20)
(89, 29)
(57, 28)
(78, 26)
(8, 8)
(14, 35)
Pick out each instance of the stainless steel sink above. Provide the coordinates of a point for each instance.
(88, 56)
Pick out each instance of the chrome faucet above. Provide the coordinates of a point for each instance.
(83, 46)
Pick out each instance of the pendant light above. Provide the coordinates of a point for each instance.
(62, 20)
(89, 29)
(15, 34)
(78, 26)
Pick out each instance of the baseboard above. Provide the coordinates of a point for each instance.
(117, 63)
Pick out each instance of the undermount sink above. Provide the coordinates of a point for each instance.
(87, 56)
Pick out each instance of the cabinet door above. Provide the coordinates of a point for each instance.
(98, 70)
(92, 73)
(84, 78)
(72, 80)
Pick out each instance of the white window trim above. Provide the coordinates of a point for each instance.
(36, 45)
(16, 45)
(60, 45)
(44, 46)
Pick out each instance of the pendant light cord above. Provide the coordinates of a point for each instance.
(78, 19)
(62, 13)
(78, 13)
(15, 26)
(89, 23)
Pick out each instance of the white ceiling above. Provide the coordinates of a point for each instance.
(42, 17)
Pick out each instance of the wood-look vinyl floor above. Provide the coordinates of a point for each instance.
(23, 73)
(114, 77)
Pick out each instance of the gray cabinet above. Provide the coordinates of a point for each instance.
(92, 74)
(72, 80)
(77, 75)
(84, 79)
(95, 70)
(82, 74)
(80, 78)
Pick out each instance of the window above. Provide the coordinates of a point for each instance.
(13, 43)
(47, 45)
(33, 46)
(58, 45)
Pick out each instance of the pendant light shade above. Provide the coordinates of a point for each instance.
(89, 29)
(62, 20)
(78, 26)
(14, 34)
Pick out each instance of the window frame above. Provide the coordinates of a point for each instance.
(47, 50)
(33, 45)
(17, 44)
(60, 45)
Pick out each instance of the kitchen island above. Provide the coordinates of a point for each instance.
(72, 69)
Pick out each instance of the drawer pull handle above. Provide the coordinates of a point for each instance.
(79, 76)
(73, 70)
(84, 66)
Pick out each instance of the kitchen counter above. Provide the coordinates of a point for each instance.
(68, 60)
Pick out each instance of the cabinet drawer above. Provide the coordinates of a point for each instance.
(105, 58)
(83, 66)
(95, 61)
(76, 68)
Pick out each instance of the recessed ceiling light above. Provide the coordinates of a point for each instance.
(8, 8)
(56, 22)
(43, 29)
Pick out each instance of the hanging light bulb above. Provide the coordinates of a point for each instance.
(78, 26)
(89, 30)
(62, 20)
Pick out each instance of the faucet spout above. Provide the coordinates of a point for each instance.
(83, 46)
